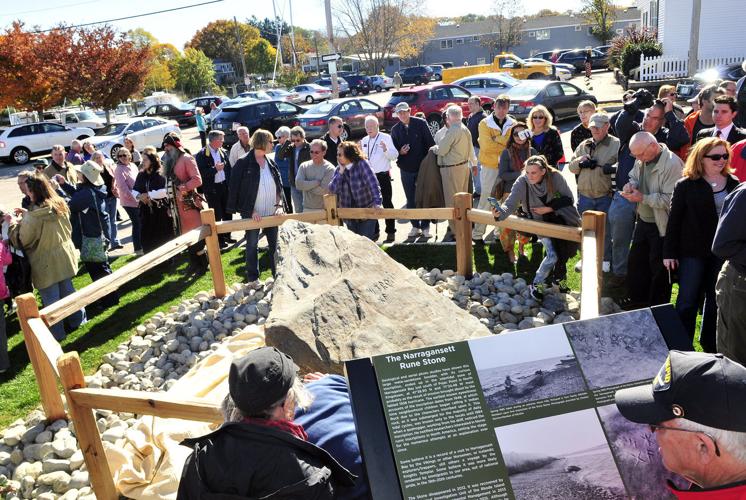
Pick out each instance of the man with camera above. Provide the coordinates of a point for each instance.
(660, 121)
(593, 162)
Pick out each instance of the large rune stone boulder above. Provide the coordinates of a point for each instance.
(338, 296)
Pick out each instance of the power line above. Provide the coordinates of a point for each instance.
(76, 4)
(131, 17)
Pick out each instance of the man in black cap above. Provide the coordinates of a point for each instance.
(696, 406)
(260, 452)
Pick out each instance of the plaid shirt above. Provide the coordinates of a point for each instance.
(357, 187)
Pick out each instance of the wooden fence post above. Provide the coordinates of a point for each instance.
(89, 439)
(462, 203)
(213, 252)
(596, 222)
(46, 378)
(330, 206)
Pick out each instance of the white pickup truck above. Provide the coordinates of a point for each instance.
(76, 118)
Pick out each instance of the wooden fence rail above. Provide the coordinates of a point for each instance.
(50, 363)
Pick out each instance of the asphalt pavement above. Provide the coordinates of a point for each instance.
(603, 85)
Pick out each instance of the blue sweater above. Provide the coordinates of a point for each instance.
(330, 425)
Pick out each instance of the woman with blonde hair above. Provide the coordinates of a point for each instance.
(45, 234)
(543, 194)
(695, 209)
(545, 138)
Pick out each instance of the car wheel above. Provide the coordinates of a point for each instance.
(378, 88)
(433, 123)
(535, 76)
(114, 149)
(309, 99)
(20, 155)
(83, 137)
(346, 133)
(354, 92)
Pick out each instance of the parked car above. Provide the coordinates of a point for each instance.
(205, 101)
(312, 92)
(604, 49)
(269, 115)
(418, 75)
(359, 84)
(182, 113)
(577, 59)
(437, 72)
(381, 83)
(547, 54)
(19, 143)
(488, 84)
(561, 98)
(690, 87)
(352, 110)
(142, 131)
(562, 72)
(259, 95)
(432, 101)
(73, 118)
(284, 95)
(342, 85)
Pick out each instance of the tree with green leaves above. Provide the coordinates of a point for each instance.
(220, 40)
(159, 75)
(600, 14)
(506, 27)
(193, 72)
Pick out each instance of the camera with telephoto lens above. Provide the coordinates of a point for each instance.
(642, 99)
(588, 163)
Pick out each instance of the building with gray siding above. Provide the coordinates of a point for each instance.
(458, 44)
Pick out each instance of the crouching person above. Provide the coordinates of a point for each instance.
(259, 452)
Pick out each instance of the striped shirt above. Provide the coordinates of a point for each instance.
(266, 196)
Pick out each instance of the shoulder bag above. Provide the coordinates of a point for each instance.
(93, 248)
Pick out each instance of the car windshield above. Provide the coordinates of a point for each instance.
(86, 115)
(112, 129)
(397, 97)
(322, 108)
(526, 89)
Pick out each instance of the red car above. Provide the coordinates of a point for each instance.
(432, 101)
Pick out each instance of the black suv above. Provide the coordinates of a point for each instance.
(359, 84)
(269, 115)
(577, 59)
(418, 75)
(205, 101)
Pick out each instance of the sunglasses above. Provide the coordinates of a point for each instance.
(122, 156)
(654, 428)
(538, 118)
(723, 156)
(339, 126)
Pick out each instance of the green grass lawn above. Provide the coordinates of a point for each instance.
(167, 285)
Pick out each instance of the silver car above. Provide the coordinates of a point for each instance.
(488, 84)
(381, 82)
(311, 93)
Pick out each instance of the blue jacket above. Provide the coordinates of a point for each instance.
(419, 138)
(87, 207)
(330, 425)
(283, 165)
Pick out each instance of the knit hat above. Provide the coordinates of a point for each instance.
(260, 379)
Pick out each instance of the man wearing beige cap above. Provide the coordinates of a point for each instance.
(593, 163)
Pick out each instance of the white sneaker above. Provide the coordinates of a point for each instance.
(426, 233)
(606, 266)
(578, 266)
(413, 233)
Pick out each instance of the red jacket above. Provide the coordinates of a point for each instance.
(738, 159)
(735, 491)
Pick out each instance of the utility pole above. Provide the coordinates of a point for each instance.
(694, 40)
(316, 43)
(278, 53)
(330, 35)
(292, 33)
(240, 49)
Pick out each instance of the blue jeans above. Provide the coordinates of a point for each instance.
(600, 204)
(409, 181)
(697, 277)
(297, 196)
(252, 255)
(547, 263)
(476, 178)
(621, 224)
(134, 215)
(362, 227)
(52, 294)
(111, 209)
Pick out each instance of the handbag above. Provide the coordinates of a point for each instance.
(93, 248)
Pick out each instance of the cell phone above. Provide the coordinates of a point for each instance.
(524, 134)
(494, 203)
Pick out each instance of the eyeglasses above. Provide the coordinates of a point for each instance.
(538, 117)
(723, 156)
(339, 126)
(122, 156)
(654, 427)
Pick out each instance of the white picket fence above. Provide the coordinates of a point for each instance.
(666, 68)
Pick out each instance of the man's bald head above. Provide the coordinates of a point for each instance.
(643, 146)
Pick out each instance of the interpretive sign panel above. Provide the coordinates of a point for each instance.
(523, 415)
